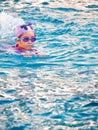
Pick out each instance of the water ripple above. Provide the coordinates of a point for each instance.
(59, 91)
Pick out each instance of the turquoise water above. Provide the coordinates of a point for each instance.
(59, 91)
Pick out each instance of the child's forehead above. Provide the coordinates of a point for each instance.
(29, 33)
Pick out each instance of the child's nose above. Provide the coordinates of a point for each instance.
(30, 41)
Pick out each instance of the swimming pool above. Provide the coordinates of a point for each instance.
(59, 91)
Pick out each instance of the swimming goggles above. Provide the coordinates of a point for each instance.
(26, 39)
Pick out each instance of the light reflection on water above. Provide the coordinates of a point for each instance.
(60, 91)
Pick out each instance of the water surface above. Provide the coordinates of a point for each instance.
(60, 91)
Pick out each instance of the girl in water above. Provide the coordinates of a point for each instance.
(25, 38)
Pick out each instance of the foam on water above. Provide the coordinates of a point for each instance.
(8, 24)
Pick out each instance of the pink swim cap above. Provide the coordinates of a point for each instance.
(23, 28)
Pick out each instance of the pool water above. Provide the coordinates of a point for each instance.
(59, 91)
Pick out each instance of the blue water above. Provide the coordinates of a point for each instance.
(59, 91)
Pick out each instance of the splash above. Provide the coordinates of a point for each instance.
(8, 24)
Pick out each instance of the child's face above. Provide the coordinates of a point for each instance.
(27, 45)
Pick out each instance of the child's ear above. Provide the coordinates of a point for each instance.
(17, 40)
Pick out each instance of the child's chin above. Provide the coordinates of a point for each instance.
(28, 48)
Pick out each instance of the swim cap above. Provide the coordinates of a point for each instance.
(23, 28)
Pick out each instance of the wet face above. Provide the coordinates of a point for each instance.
(24, 42)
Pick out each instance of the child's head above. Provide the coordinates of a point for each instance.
(25, 36)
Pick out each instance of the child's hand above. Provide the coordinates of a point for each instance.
(41, 55)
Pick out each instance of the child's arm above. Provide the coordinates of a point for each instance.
(34, 52)
(25, 54)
